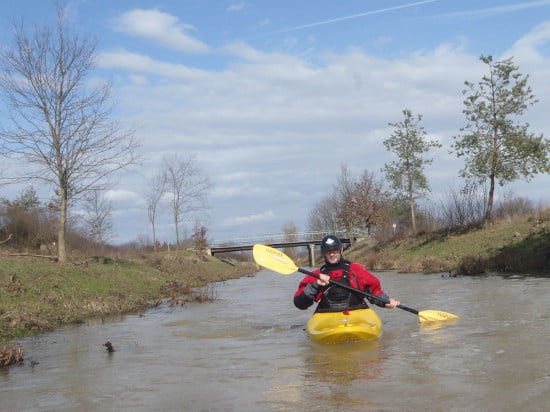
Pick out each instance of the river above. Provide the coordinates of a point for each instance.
(247, 351)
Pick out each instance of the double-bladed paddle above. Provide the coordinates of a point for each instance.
(277, 261)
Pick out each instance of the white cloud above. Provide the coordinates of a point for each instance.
(121, 195)
(236, 6)
(272, 130)
(265, 22)
(237, 176)
(250, 219)
(162, 28)
(246, 190)
(527, 48)
(138, 63)
(138, 79)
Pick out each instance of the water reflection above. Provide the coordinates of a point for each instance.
(328, 377)
(334, 372)
(437, 332)
(343, 363)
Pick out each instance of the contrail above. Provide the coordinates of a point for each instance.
(354, 16)
(497, 10)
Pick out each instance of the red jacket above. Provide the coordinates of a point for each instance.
(359, 278)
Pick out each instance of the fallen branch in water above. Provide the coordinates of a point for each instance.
(11, 355)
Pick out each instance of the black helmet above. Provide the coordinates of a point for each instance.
(330, 242)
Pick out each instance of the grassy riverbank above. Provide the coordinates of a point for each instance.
(37, 294)
(519, 244)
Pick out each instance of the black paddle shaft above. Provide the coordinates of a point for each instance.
(361, 292)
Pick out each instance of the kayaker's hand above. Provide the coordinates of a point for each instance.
(392, 303)
(324, 280)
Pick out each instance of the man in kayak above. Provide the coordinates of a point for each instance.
(333, 298)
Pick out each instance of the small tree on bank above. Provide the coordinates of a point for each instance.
(98, 218)
(406, 175)
(186, 187)
(155, 191)
(495, 146)
(200, 241)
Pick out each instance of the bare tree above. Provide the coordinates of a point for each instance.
(371, 202)
(355, 203)
(323, 217)
(186, 186)
(62, 126)
(362, 202)
(156, 190)
(346, 209)
(98, 218)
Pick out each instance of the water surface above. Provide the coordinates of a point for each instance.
(247, 351)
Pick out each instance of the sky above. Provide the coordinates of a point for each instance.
(274, 97)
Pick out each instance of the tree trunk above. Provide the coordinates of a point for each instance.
(413, 217)
(176, 225)
(411, 198)
(154, 238)
(489, 212)
(62, 229)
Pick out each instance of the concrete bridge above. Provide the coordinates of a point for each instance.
(309, 243)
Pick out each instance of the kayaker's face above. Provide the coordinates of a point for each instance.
(333, 256)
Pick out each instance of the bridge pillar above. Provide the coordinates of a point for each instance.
(311, 253)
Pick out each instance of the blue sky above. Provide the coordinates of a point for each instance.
(275, 96)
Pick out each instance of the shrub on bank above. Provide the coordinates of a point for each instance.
(471, 265)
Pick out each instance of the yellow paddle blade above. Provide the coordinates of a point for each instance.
(273, 259)
(436, 316)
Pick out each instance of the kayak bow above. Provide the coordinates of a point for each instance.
(347, 326)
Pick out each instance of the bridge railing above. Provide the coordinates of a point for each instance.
(310, 244)
(272, 237)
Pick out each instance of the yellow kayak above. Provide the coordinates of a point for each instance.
(347, 326)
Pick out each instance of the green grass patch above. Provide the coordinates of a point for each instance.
(520, 244)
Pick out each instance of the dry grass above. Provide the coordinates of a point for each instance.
(37, 295)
